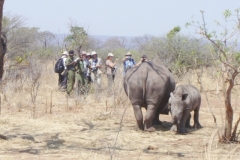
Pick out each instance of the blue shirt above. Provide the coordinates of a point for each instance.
(128, 64)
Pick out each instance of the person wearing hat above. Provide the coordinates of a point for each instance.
(81, 74)
(143, 59)
(111, 68)
(70, 64)
(85, 62)
(88, 74)
(62, 77)
(128, 62)
(95, 64)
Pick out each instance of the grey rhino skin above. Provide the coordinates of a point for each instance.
(182, 101)
(149, 86)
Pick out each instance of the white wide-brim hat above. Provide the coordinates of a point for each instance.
(65, 53)
(110, 55)
(94, 52)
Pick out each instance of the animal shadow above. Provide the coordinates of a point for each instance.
(190, 130)
(165, 126)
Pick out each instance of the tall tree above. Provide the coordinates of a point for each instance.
(46, 37)
(3, 41)
(225, 47)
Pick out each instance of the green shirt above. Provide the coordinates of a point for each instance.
(69, 60)
(80, 66)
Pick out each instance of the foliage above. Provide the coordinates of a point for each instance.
(187, 53)
(78, 38)
(23, 42)
(45, 38)
(178, 52)
(225, 47)
(237, 57)
(172, 33)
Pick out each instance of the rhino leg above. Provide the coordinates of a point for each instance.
(181, 125)
(182, 130)
(196, 118)
(150, 114)
(139, 117)
(156, 120)
(188, 121)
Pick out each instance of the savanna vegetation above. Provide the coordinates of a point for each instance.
(38, 121)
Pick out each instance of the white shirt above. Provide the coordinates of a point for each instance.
(64, 61)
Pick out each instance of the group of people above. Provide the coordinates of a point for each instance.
(86, 68)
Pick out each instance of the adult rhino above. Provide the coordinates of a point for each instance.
(149, 85)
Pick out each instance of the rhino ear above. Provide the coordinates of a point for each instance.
(184, 97)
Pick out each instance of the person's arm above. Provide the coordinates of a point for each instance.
(64, 63)
(140, 62)
(99, 64)
(90, 63)
(67, 62)
(124, 59)
(134, 63)
(111, 64)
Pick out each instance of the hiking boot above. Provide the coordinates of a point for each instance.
(63, 90)
(69, 95)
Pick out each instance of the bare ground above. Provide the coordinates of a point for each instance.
(90, 128)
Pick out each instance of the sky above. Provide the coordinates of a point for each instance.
(128, 18)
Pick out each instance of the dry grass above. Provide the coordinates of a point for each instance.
(94, 127)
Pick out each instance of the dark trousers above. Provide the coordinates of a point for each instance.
(81, 83)
(62, 81)
(70, 81)
(89, 80)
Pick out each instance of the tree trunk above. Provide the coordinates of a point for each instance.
(229, 111)
(2, 44)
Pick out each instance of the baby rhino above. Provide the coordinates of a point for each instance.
(182, 101)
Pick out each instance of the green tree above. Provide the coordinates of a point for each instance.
(173, 32)
(78, 38)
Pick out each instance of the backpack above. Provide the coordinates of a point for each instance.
(59, 67)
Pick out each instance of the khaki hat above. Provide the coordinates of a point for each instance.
(128, 54)
(110, 55)
(65, 53)
(88, 54)
(94, 52)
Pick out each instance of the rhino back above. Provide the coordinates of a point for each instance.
(194, 96)
(148, 84)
